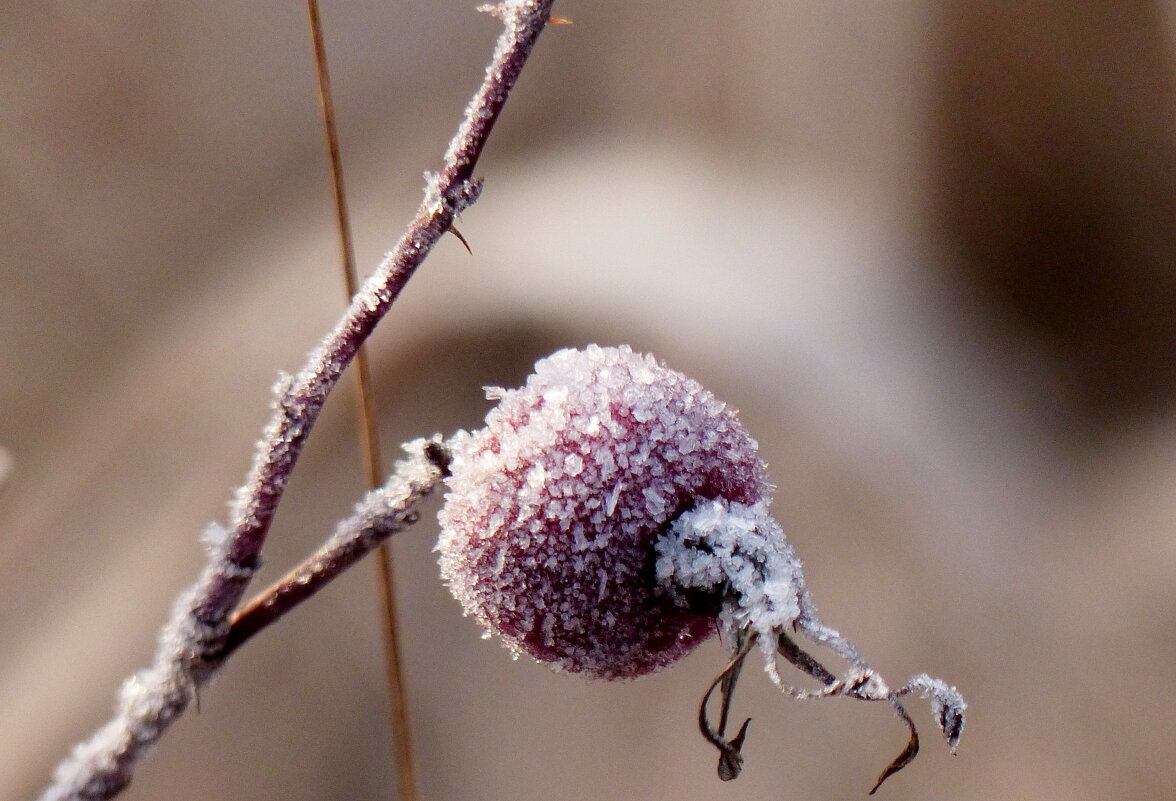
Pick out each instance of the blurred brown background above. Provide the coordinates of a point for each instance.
(928, 250)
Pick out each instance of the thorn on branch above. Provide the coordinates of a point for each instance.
(453, 230)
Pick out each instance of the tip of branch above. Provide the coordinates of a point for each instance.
(437, 452)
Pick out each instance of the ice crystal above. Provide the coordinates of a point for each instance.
(737, 550)
(554, 508)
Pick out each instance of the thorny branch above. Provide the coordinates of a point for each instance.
(194, 641)
(152, 698)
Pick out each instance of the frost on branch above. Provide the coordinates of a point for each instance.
(103, 765)
(612, 514)
(152, 698)
(192, 647)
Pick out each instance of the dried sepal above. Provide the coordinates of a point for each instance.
(947, 705)
(739, 552)
(730, 751)
(908, 754)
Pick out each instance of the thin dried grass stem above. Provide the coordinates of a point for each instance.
(402, 739)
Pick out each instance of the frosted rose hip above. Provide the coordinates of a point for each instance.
(554, 508)
(612, 515)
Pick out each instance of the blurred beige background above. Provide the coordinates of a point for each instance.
(928, 249)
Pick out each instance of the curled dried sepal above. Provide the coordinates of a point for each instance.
(730, 751)
(739, 553)
(908, 754)
(947, 705)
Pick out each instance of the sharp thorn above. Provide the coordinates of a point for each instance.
(453, 230)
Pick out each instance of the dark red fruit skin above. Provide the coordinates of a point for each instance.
(549, 527)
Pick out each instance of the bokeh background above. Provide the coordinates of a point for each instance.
(928, 249)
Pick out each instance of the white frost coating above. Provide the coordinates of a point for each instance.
(613, 497)
(738, 550)
(737, 553)
(188, 649)
(147, 702)
(214, 537)
(612, 511)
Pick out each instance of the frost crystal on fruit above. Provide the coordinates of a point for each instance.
(554, 508)
(613, 514)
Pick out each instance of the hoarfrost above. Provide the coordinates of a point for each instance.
(740, 549)
(590, 444)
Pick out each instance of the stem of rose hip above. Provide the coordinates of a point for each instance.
(356, 537)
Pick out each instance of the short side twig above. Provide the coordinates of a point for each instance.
(198, 629)
(382, 513)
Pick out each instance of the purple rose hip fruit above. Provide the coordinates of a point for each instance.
(554, 509)
(613, 514)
